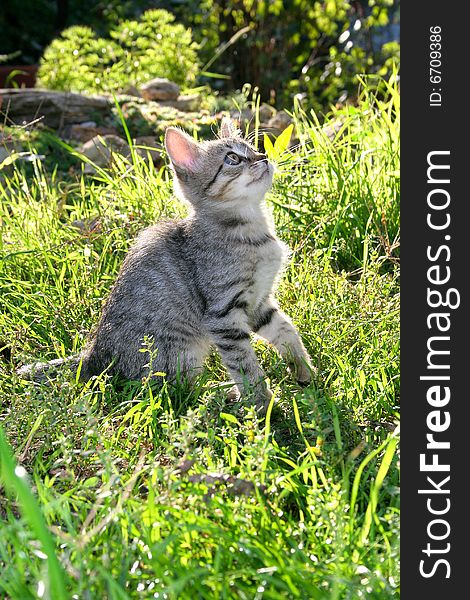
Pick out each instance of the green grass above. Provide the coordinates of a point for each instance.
(123, 490)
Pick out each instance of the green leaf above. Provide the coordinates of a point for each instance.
(297, 416)
(268, 146)
(14, 479)
(362, 378)
(214, 75)
(282, 141)
(230, 418)
(375, 487)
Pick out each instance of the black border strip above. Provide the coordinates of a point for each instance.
(434, 392)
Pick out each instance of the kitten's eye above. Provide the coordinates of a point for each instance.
(232, 159)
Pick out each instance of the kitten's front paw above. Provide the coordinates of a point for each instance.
(303, 372)
(304, 379)
(262, 401)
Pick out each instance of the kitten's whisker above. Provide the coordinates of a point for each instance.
(256, 133)
(260, 130)
(215, 133)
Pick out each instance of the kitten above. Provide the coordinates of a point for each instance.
(204, 281)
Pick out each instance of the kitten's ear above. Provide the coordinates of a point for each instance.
(182, 149)
(228, 129)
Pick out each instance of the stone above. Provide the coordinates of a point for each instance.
(84, 133)
(159, 89)
(101, 148)
(243, 119)
(53, 109)
(266, 112)
(148, 144)
(132, 91)
(279, 121)
(12, 151)
(276, 125)
(100, 151)
(331, 130)
(185, 103)
(8, 147)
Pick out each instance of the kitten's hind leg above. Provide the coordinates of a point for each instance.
(189, 362)
(275, 327)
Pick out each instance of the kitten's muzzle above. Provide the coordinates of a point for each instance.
(261, 169)
(260, 160)
(260, 157)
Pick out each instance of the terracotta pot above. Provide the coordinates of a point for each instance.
(26, 77)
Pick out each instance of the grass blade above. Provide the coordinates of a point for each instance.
(14, 479)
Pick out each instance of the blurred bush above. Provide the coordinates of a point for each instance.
(134, 52)
(310, 48)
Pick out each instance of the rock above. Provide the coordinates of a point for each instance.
(188, 103)
(279, 121)
(243, 119)
(9, 147)
(53, 109)
(247, 116)
(83, 133)
(12, 151)
(266, 112)
(276, 125)
(132, 91)
(333, 128)
(159, 89)
(100, 150)
(4, 154)
(148, 144)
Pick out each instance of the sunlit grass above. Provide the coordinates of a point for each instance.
(130, 490)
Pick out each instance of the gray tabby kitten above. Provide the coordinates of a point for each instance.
(204, 281)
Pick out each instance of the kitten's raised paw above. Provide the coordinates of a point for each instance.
(233, 394)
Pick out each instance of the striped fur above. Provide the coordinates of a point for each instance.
(204, 281)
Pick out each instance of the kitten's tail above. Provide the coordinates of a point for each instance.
(42, 371)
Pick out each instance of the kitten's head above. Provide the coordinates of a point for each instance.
(226, 171)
